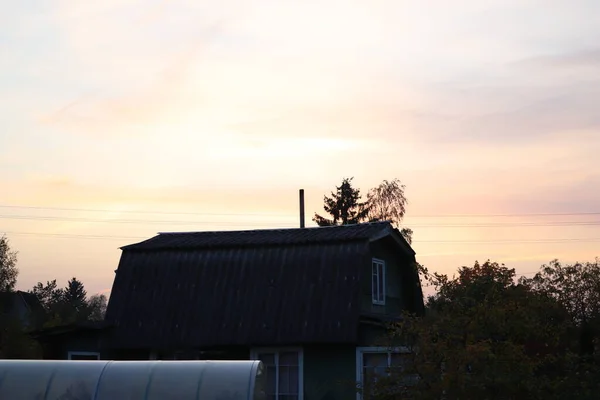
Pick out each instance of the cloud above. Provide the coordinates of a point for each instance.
(582, 58)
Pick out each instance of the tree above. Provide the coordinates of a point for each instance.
(8, 266)
(15, 343)
(344, 206)
(97, 307)
(485, 336)
(49, 294)
(577, 288)
(387, 202)
(69, 304)
(75, 301)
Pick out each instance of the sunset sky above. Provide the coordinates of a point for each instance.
(125, 118)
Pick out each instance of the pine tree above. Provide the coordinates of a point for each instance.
(344, 206)
(74, 298)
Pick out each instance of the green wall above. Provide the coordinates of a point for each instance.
(329, 372)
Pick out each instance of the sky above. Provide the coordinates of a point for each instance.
(121, 119)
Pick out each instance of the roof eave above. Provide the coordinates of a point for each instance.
(396, 236)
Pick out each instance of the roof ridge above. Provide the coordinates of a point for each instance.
(263, 237)
(344, 226)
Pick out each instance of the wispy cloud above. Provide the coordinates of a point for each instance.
(195, 105)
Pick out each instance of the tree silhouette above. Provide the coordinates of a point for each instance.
(8, 266)
(344, 206)
(387, 202)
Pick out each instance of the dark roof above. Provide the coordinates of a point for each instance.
(8, 300)
(70, 328)
(262, 287)
(264, 237)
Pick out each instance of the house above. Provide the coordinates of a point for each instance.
(311, 303)
(22, 306)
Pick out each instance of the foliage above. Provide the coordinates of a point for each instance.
(387, 202)
(8, 266)
(97, 307)
(69, 304)
(75, 296)
(577, 288)
(487, 336)
(48, 294)
(407, 234)
(15, 343)
(344, 206)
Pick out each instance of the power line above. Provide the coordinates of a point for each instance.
(111, 237)
(10, 206)
(137, 211)
(138, 221)
(293, 224)
(577, 240)
(77, 236)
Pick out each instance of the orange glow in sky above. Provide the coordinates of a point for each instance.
(214, 114)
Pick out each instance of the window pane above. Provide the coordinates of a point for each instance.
(374, 285)
(294, 376)
(290, 358)
(380, 283)
(374, 364)
(267, 359)
(284, 380)
(271, 380)
(375, 359)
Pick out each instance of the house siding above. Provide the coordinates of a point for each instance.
(329, 372)
(397, 265)
(58, 347)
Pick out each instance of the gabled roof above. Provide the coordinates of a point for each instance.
(9, 300)
(261, 287)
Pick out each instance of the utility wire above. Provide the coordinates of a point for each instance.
(516, 276)
(10, 206)
(138, 221)
(111, 237)
(136, 211)
(294, 224)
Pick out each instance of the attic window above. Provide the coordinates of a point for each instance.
(378, 282)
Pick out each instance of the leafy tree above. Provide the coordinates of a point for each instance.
(577, 288)
(69, 304)
(97, 307)
(387, 202)
(8, 266)
(344, 206)
(15, 343)
(486, 336)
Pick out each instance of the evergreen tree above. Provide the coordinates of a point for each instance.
(75, 301)
(344, 206)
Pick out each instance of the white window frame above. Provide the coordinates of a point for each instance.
(83, 353)
(375, 290)
(254, 353)
(374, 350)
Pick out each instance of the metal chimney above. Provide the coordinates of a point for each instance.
(301, 208)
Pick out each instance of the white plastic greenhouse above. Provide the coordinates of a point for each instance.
(131, 380)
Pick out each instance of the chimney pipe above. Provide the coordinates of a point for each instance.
(301, 208)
